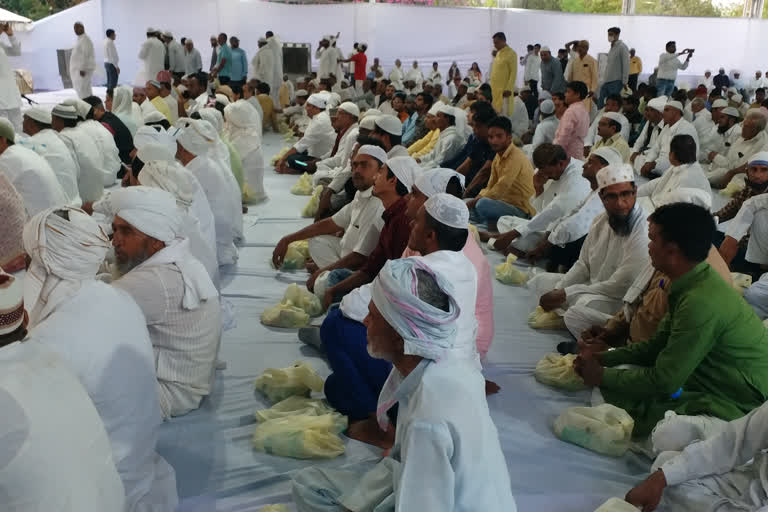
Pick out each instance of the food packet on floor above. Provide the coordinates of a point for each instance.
(557, 371)
(507, 273)
(741, 281)
(302, 437)
(303, 187)
(275, 508)
(603, 429)
(296, 255)
(294, 406)
(310, 209)
(300, 297)
(617, 505)
(540, 319)
(285, 315)
(280, 154)
(280, 383)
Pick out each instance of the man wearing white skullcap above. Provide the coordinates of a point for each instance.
(657, 159)
(110, 164)
(29, 173)
(731, 166)
(649, 135)
(613, 106)
(345, 124)
(152, 55)
(262, 65)
(547, 126)
(77, 473)
(413, 323)
(609, 134)
(193, 62)
(66, 248)
(315, 144)
(173, 290)
(389, 129)
(452, 138)
(610, 258)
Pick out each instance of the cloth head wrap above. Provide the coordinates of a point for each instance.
(81, 107)
(11, 303)
(154, 117)
(154, 144)
(719, 103)
(658, 103)
(197, 137)
(122, 101)
(214, 117)
(318, 100)
(39, 114)
(614, 174)
(373, 151)
(350, 108)
(405, 168)
(448, 210)
(13, 217)
(171, 177)
(759, 158)
(6, 130)
(435, 108)
(435, 181)
(675, 104)
(241, 114)
(243, 127)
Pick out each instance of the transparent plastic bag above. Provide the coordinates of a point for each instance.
(732, 189)
(617, 505)
(557, 371)
(280, 383)
(302, 298)
(302, 437)
(303, 187)
(285, 315)
(294, 406)
(280, 154)
(321, 284)
(507, 273)
(296, 255)
(540, 319)
(603, 429)
(310, 209)
(741, 281)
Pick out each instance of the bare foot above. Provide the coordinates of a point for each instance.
(368, 431)
(311, 266)
(491, 388)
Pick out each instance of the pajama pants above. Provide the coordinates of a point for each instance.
(325, 250)
(82, 84)
(354, 386)
(523, 243)
(298, 162)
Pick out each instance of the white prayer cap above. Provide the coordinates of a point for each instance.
(368, 123)
(147, 135)
(372, 112)
(544, 49)
(547, 107)
(686, 195)
(151, 30)
(326, 38)
(609, 154)
(523, 88)
(544, 95)
(213, 116)
(81, 107)
(318, 101)
(334, 99)
(39, 114)
(350, 108)
(732, 90)
(154, 117)
(301, 93)
(675, 104)
(435, 108)
(373, 151)
(197, 137)
(152, 211)
(447, 110)
(759, 158)
(171, 177)
(719, 103)
(389, 124)
(11, 303)
(615, 116)
(64, 111)
(168, 34)
(188, 40)
(262, 39)
(7, 130)
(14, 216)
(731, 111)
(738, 98)
(223, 99)
(448, 210)
(658, 103)
(405, 168)
(435, 181)
(614, 174)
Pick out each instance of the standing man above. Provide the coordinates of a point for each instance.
(361, 61)
(263, 67)
(668, 66)
(152, 52)
(583, 69)
(239, 64)
(10, 98)
(504, 72)
(531, 74)
(635, 68)
(193, 62)
(214, 52)
(551, 72)
(276, 46)
(176, 57)
(223, 69)
(111, 59)
(82, 63)
(617, 67)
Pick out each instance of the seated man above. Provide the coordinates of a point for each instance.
(345, 124)
(67, 247)
(315, 144)
(732, 166)
(118, 129)
(14, 215)
(110, 161)
(173, 290)
(657, 159)
(511, 183)
(612, 255)
(152, 91)
(707, 357)
(424, 145)
(412, 323)
(612, 105)
(609, 134)
(474, 161)
(654, 123)
(451, 122)
(560, 188)
(418, 128)
(547, 126)
(631, 111)
(388, 130)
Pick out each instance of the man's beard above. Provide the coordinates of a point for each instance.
(757, 187)
(123, 267)
(620, 224)
(722, 129)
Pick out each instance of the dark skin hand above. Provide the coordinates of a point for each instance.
(552, 300)
(648, 494)
(540, 251)
(588, 367)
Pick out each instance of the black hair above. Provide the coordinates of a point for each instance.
(110, 92)
(163, 122)
(454, 187)
(529, 47)
(632, 99)
(502, 122)
(760, 89)
(201, 77)
(224, 34)
(364, 140)
(448, 237)
(688, 226)
(500, 35)
(684, 148)
(401, 95)
(483, 116)
(614, 97)
(559, 95)
(652, 91)
(93, 101)
(263, 88)
(670, 43)
(615, 30)
(428, 99)
(269, 33)
(401, 189)
(393, 139)
(136, 166)
(579, 88)
(69, 123)
(110, 32)
(547, 154)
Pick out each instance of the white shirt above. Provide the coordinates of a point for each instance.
(110, 52)
(448, 145)
(744, 223)
(105, 142)
(576, 224)
(708, 82)
(545, 131)
(656, 131)
(676, 177)
(416, 75)
(668, 66)
(326, 64)
(152, 52)
(318, 138)
(263, 65)
(82, 57)
(201, 210)
(176, 57)
(532, 66)
(10, 97)
(435, 76)
(120, 379)
(340, 160)
(396, 77)
(33, 178)
(85, 153)
(47, 144)
(362, 223)
(741, 151)
(193, 62)
(659, 151)
(68, 468)
(519, 117)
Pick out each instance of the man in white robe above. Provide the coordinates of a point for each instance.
(10, 98)
(415, 75)
(317, 141)
(345, 122)
(657, 159)
(263, 63)
(176, 56)
(110, 163)
(731, 167)
(173, 289)
(67, 247)
(613, 253)
(650, 133)
(82, 63)
(397, 75)
(326, 63)
(85, 153)
(451, 139)
(152, 55)
(274, 44)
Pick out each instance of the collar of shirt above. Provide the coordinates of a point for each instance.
(686, 281)
(364, 194)
(395, 210)
(397, 388)
(612, 139)
(508, 152)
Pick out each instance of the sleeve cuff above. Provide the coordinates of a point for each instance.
(674, 471)
(610, 376)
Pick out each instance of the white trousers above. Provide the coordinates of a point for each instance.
(325, 250)
(253, 170)
(525, 243)
(14, 116)
(757, 296)
(757, 247)
(359, 87)
(82, 84)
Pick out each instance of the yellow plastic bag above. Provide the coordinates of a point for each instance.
(732, 188)
(296, 255)
(285, 315)
(617, 505)
(303, 187)
(603, 429)
(540, 319)
(280, 154)
(302, 298)
(310, 209)
(557, 371)
(281, 383)
(507, 273)
(294, 406)
(302, 437)
(275, 508)
(741, 281)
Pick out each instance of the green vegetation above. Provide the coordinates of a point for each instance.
(37, 9)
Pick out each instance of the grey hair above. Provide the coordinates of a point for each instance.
(429, 291)
(760, 118)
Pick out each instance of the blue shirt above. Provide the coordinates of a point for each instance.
(225, 52)
(409, 126)
(239, 67)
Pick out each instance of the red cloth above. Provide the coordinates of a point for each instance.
(361, 61)
(393, 238)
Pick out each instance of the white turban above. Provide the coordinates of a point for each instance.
(614, 174)
(435, 181)
(658, 103)
(197, 137)
(609, 154)
(318, 100)
(153, 144)
(435, 108)
(81, 107)
(241, 114)
(154, 117)
(171, 177)
(448, 210)
(759, 158)
(214, 117)
(405, 168)
(122, 101)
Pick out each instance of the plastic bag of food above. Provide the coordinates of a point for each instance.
(557, 371)
(603, 429)
(294, 406)
(321, 284)
(732, 188)
(280, 383)
(540, 319)
(296, 255)
(303, 187)
(280, 154)
(285, 315)
(310, 209)
(741, 281)
(275, 508)
(617, 505)
(302, 298)
(507, 273)
(302, 437)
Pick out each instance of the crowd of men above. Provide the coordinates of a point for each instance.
(128, 207)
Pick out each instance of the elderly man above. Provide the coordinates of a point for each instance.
(315, 144)
(450, 121)
(152, 89)
(29, 173)
(262, 65)
(574, 124)
(732, 166)
(82, 62)
(504, 72)
(416, 333)
(67, 247)
(650, 133)
(657, 159)
(193, 62)
(173, 289)
(609, 133)
(612, 254)
(10, 99)
(551, 72)
(345, 124)
(705, 358)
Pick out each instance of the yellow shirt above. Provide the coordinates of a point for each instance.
(284, 96)
(162, 107)
(635, 65)
(268, 107)
(511, 180)
(424, 145)
(584, 70)
(616, 142)
(503, 76)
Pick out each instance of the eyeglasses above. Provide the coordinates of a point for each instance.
(613, 197)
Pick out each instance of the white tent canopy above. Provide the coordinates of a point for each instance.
(17, 22)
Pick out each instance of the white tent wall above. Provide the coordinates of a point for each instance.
(407, 32)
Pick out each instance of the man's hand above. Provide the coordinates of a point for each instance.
(539, 180)
(279, 253)
(502, 241)
(117, 69)
(552, 300)
(632, 158)
(82, 73)
(87, 207)
(648, 494)
(711, 156)
(593, 332)
(540, 251)
(312, 279)
(589, 369)
(647, 168)
(506, 94)
(471, 204)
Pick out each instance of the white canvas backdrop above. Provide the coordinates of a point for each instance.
(410, 33)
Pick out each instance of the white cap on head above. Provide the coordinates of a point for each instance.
(738, 98)
(608, 154)
(39, 114)
(544, 95)
(448, 210)
(368, 123)
(151, 30)
(149, 136)
(544, 49)
(732, 90)
(81, 107)
(435, 181)
(435, 108)
(11, 303)
(389, 124)
(223, 99)
(262, 39)
(759, 158)
(615, 116)
(317, 100)
(301, 93)
(731, 111)
(372, 112)
(373, 151)
(64, 111)
(613, 174)
(196, 136)
(447, 110)
(675, 104)
(405, 168)
(658, 103)
(154, 117)
(547, 107)
(168, 34)
(719, 103)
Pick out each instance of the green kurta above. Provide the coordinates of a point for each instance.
(710, 344)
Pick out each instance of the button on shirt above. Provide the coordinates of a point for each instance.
(318, 138)
(362, 223)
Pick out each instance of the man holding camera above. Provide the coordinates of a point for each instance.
(668, 66)
(10, 98)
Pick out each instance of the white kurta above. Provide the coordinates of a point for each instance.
(10, 98)
(751, 220)
(592, 136)
(68, 468)
(274, 44)
(33, 178)
(519, 117)
(326, 64)
(676, 177)
(448, 145)
(47, 144)
(82, 60)
(176, 57)
(318, 138)
(576, 224)
(331, 166)
(396, 76)
(659, 151)
(545, 132)
(737, 155)
(105, 142)
(85, 153)
(120, 379)
(263, 65)
(152, 55)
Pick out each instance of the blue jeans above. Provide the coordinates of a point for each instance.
(335, 277)
(607, 89)
(489, 210)
(664, 87)
(354, 386)
(111, 75)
